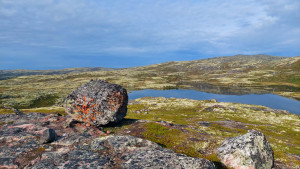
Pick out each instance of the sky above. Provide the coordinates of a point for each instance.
(54, 34)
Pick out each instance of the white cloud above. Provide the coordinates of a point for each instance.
(134, 27)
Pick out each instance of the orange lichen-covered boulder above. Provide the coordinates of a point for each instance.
(97, 103)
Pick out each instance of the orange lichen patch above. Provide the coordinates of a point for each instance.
(87, 113)
(115, 99)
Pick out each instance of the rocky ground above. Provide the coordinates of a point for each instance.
(25, 142)
(190, 127)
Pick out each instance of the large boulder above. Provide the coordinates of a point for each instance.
(249, 151)
(97, 103)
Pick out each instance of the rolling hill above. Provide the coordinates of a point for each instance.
(239, 74)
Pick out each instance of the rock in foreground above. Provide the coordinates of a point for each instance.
(79, 146)
(141, 153)
(98, 103)
(48, 136)
(249, 151)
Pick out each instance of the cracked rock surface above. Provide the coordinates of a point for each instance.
(79, 146)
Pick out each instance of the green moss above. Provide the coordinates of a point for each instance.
(161, 134)
(169, 138)
(44, 101)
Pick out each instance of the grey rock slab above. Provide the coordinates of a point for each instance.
(251, 150)
(140, 153)
(164, 159)
(122, 143)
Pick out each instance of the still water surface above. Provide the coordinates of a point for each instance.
(269, 100)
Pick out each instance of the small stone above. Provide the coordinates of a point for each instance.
(48, 136)
(204, 123)
(251, 150)
(17, 111)
(214, 100)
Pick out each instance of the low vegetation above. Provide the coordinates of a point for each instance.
(257, 74)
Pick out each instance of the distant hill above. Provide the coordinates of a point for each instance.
(241, 62)
(239, 74)
(8, 74)
(226, 63)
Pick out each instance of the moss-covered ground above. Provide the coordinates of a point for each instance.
(197, 128)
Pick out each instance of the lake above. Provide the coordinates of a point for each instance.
(269, 100)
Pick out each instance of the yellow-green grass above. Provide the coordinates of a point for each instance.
(52, 109)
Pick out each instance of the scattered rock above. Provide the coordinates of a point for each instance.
(17, 111)
(232, 124)
(248, 151)
(145, 111)
(133, 102)
(48, 136)
(267, 109)
(214, 100)
(204, 123)
(218, 107)
(98, 103)
(165, 123)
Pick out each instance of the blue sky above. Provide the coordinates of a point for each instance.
(53, 34)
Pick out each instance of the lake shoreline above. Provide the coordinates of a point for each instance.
(269, 100)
